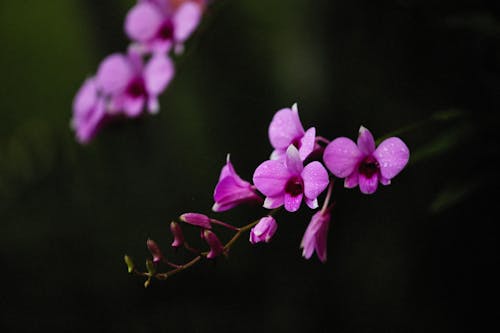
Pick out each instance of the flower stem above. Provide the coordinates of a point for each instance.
(227, 247)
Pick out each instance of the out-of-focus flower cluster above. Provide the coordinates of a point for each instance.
(300, 168)
(128, 84)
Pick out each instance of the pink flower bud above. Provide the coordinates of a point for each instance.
(216, 247)
(196, 219)
(176, 230)
(155, 251)
(316, 235)
(264, 230)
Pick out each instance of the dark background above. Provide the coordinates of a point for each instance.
(418, 256)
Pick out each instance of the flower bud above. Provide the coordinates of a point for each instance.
(130, 263)
(155, 251)
(264, 230)
(196, 219)
(176, 230)
(216, 247)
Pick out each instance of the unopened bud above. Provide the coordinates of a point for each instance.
(129, 262)
(176, 230)
(196, 219)
(155, 250)
(216, 247)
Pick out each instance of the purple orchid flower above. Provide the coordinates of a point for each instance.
(231, 190)
(88, 111)
(264, 230)
(289, 181)
(363, 164)
(131, 85)
(316, 235)
(286, 129)
(157, 25)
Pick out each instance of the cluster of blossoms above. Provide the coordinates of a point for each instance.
(128, 85)
(301, 167)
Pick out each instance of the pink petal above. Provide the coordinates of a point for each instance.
(153, 105)
(86, 97)
(313, 204)
(158, 73)
(143, 22)
(293, 161)
(384, 181)
(351, 181)
(285, 127)
(315, 179)
(307, 143)
(341, 156)
(270, 178)
(292, 203)
(366, 143)
(321, 240)
(368, 185)
(274, 202)
(186, 19)
(278, 155)
(133, 106)
(114, 74)
(392, 155)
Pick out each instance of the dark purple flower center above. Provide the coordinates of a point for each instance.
(297, 143)
(136, 88)
(368, 167)
(166, 31)
(294, 186)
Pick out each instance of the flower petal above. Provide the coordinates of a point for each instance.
(351, 181)
(133, 106)
(85, 98)
(293, 161)
(284, 128)
(315, 179)
(366, 143)
(186, 19)
(368, 185)
(392, 155)
(313, 204)
(114, 74)
(292, 203)
(307, 143)
(321, 239)
(158, 73)
(274, 202)
(270, 178)
(143, 22)
(341, 156)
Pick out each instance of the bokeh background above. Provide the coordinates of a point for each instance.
(418, 256)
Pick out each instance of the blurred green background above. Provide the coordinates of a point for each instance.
(418, 256)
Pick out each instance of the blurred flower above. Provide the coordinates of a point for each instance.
(131, 85)
(155, 251)
(363, 164)
(196, 219)
(316, 235)
(285, 130)
(231, 190)
(264, 230)
(176, 230)
(157, 25)
(88, 111)
(216, 247)
(289, 181)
